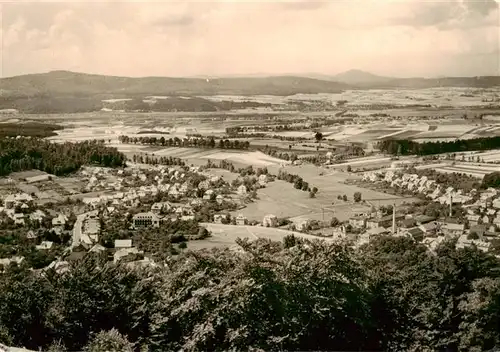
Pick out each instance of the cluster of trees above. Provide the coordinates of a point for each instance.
(263, 135)
(297, 182)
(391, 295)
(408, 147)
(162, 160)
(275, 153)
(192, 142)
(19, 154)
(491, 180)
(31, 129)
(243, 171)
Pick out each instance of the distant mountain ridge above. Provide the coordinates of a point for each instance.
(82, 85)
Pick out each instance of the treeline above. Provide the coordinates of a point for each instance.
(155, 160)
(48, 104)
(182, 104)
(297, 182)
(265, 135)
(243, 171)
(192, 142)
(408, 147)
(278, 154)
(390, 295)
(29, 129)
(20, 154)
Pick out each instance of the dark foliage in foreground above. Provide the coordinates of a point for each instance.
(391, 295)
(20, 154)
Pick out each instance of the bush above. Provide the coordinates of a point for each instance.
(109, 341)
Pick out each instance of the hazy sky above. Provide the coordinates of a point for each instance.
(186, 38)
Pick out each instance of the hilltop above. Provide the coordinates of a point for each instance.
(357, 76)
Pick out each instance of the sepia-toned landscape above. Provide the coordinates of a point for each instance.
(158, 193)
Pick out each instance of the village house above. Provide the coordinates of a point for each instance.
(357, 222)
(384, 221)
(473, 219)
(38, 178)
(208, 194)
(123, 244)
(146, 220)
(45, 245)
(415, 232)
(263, 180)
(219, 218)
(219, 199)
(452, 229)
(18, 218)
(204, 185)
(127, 254)
(5, 262)
(270, 220)
(242, 190)
(241, 220)
(429, 228)
(302, 225)
(59, 221)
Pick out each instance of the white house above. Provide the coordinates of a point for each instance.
(270, 220)
(242, 190)
(241, 220)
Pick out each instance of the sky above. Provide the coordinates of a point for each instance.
(400, 38)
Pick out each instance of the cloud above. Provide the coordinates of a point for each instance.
(303, 5)
(183, 20)
(402, 38)
(451, 14)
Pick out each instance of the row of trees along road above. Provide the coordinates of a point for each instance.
(19, 154)
(390, 295)
(192, 142)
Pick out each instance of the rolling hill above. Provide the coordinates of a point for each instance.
(71, 92)
(65, 82)
(355, 77)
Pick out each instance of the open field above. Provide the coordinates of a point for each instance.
(477, 170)
(283, 200)
(226, 235)
(365, 162)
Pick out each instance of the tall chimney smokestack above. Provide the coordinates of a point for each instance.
(451, 203)
(394, 218)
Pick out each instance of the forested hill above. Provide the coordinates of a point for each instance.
(79, 84)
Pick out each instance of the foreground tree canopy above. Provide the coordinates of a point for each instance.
(392, 294)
